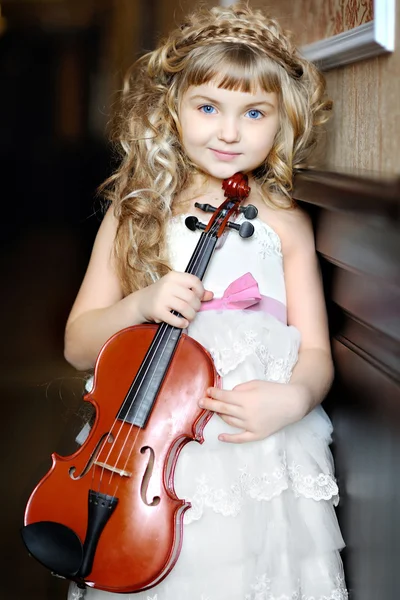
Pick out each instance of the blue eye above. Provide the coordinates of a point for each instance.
(254, 114)
(207, 109)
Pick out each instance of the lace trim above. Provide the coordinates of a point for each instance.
(321, 487)
(76, 593)
(268, 241)
(202, 597)
(275, 369)
(261, 590)
(229, 502)
(228, 358)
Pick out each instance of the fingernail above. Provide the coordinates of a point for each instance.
(201, 403)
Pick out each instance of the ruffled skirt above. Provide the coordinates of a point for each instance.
(262, 525)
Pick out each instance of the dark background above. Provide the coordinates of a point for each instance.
(54, 109)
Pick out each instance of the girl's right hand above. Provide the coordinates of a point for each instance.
(181, 292)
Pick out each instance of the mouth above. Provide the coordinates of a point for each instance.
(226, 156)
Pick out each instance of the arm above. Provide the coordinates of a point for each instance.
(313, 372)
(100, 309)
(260, 408)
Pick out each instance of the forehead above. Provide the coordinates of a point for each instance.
(212, 91)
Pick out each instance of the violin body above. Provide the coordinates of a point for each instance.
(134, 551)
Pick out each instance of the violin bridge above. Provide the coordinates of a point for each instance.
(121, 472)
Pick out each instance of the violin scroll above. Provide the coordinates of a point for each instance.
(236, 186)
(236, 190)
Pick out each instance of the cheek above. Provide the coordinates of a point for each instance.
(265, 145)
(194, 133)
(187, 140)
(268, 139)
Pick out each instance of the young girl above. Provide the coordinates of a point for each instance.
(225, 93)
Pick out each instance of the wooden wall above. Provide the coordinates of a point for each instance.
(364, 131)
(356, 224)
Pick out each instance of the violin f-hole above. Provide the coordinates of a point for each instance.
(146, 478)
(92, 457)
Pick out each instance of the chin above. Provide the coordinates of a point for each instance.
(222, 172)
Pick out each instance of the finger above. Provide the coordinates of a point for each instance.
(175, 321)
(194, 283)
(233, 421)
(222, 408)
(227, 396)
(208, 295)
(237, 438)
(247, 386)
(189, 297)
(184, 309)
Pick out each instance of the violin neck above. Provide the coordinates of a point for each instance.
(139, 401)
(201, 256)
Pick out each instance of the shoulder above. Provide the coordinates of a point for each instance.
(107, 230)
(110, 221)
(293, 226)
(102, 255)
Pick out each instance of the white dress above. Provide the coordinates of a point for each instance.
(262, 524)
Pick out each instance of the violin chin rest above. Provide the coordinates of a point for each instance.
(54, 545)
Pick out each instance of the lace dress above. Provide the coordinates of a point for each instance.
(262, 524)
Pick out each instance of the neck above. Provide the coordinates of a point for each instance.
(204, 188)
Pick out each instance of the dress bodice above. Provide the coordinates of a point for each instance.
(259, 331)
(259, 255)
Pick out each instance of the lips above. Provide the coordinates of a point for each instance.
(225, 156)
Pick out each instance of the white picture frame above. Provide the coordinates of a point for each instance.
(365, 41)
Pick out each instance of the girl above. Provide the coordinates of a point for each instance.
(227, 92)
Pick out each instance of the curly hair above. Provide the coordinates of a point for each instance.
(239, 49)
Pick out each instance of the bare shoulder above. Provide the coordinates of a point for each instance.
(293, 225)
(100, 286)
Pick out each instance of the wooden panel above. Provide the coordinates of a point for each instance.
(357, 233)
(313, 20)
(364, 131)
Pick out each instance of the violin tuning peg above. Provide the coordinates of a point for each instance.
(193, 223)
(205, 207)
(234, 226)
(249, 211)
(245, 229)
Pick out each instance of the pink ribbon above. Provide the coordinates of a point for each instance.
(244, 293)
(240, 294)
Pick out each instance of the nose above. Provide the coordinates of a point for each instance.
(229, 130)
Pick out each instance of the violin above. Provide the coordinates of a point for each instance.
(108, 516)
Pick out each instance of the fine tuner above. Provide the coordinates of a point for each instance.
(245, 229)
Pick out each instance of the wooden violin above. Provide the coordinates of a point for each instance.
(108, 516)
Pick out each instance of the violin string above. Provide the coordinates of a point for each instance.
(195, 258)
(200, 250)
(204, 244)
(193, 263)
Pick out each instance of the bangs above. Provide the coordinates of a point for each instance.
(233, 66)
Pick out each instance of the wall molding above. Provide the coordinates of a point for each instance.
(365, 41)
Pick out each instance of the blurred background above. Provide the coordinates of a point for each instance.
(61, 66)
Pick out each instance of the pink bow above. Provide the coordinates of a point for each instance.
(240, 294)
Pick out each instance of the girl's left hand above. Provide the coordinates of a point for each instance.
(259, 408)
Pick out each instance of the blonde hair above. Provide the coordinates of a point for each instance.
(240, 49)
